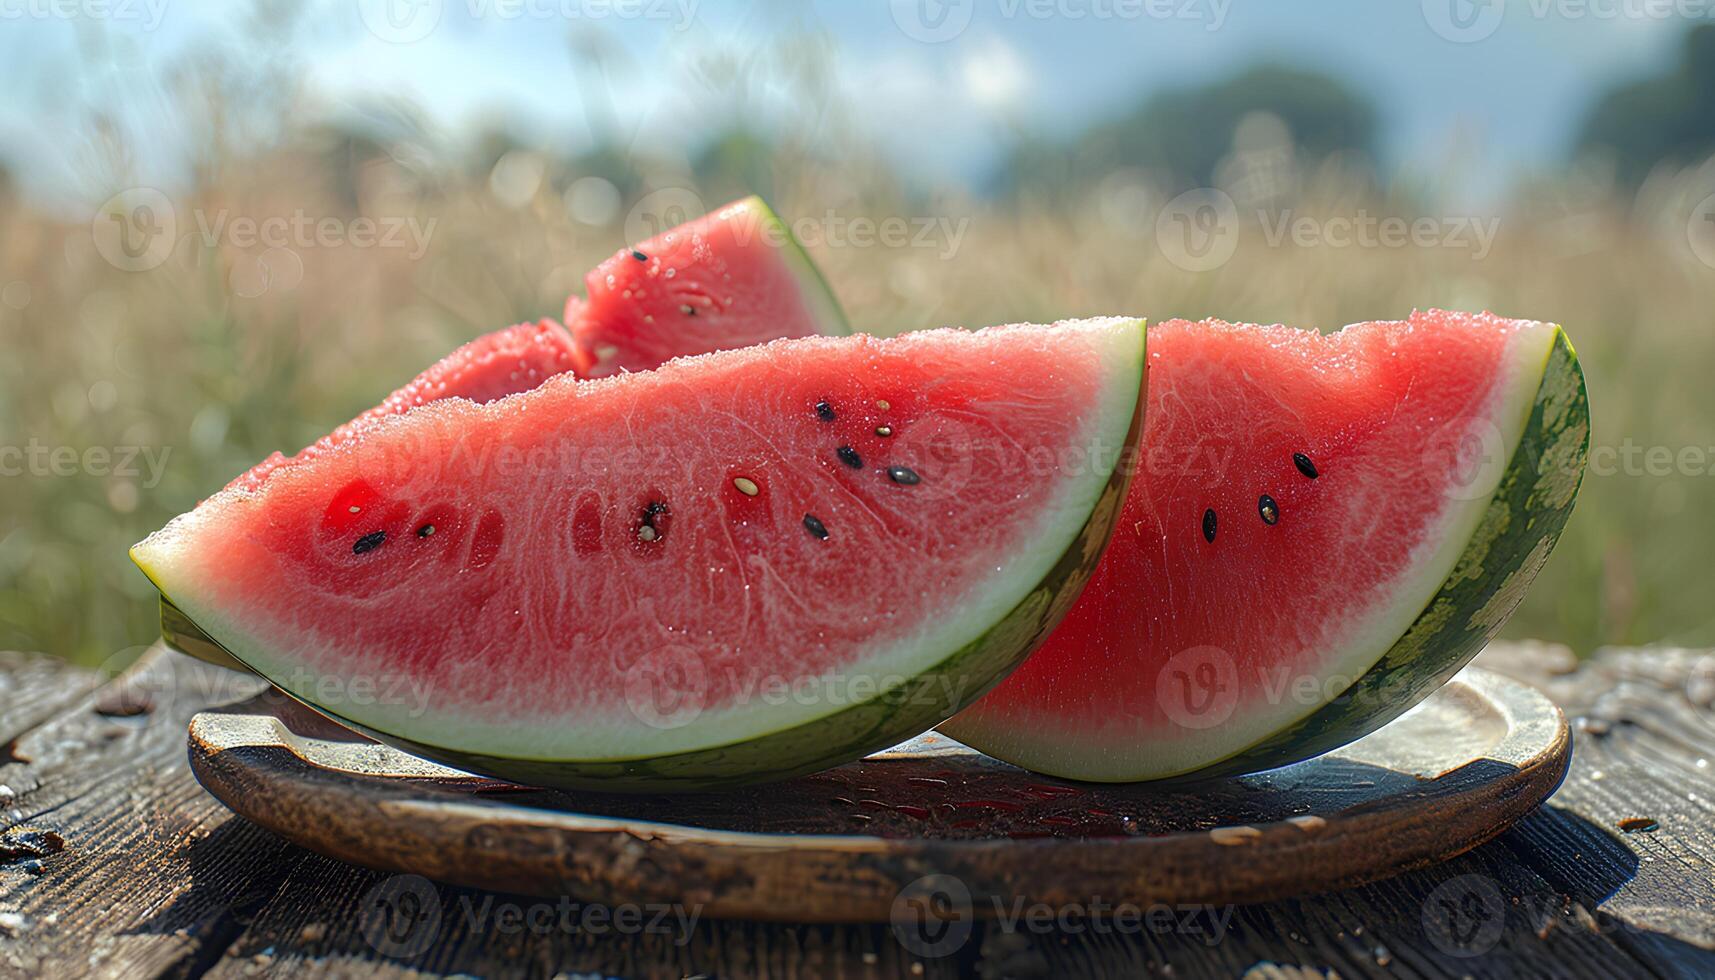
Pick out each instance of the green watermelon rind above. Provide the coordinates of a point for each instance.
(813, 287)
(1519, 527)
(877, 723)
(183, 634)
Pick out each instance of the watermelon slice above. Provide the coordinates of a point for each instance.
(1325, 529)
(732, 278)
(742, 248)
(740, 566)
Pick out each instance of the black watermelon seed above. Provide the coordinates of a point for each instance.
(369, 542)
(425, 530)
(814, 525)
(850, 457)
(1266, 507)
(651, 527)
(824, 411)
(1209, 525)
(903, 475)
(1304, 465)
(639, 256)
(687, 309)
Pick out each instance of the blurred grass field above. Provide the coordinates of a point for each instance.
(225, 352)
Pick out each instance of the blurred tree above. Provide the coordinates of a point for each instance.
(1669, 118)
(616, 165)
(8, 189)
(493, 141)
(736, 162)
(341, 146)
(1182, 134)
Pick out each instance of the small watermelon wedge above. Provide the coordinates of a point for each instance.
(733, 278)
(1323, 530)
(741, 566)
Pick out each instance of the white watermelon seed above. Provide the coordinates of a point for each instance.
(745, 486)
(884, 431)
(882, 404)
(355, 509)
(647, 533)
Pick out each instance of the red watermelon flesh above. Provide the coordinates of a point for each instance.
(1303, 501)
(732, 278)
(885, 525)
(493, 366)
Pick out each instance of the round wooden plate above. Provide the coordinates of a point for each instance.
(842, 845)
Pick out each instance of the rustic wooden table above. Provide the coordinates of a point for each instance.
(114, 862)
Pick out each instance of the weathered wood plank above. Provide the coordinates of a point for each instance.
(152, 871)
(1642, 775)
(33, 689)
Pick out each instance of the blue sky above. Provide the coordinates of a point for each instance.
(1501, 96)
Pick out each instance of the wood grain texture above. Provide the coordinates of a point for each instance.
(158, 879)
(32, 690)
(134, 892)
